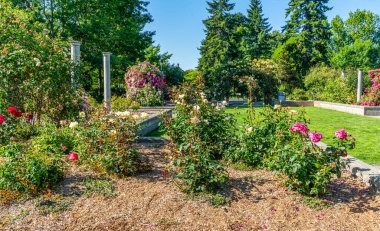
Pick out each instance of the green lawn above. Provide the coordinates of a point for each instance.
(366, 130)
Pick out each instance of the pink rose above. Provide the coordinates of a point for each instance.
(341, 134)
(315, 137)
(299, 127)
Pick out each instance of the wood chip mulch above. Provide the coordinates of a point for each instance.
(150, 201)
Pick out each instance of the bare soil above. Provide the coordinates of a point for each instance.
(150, 201)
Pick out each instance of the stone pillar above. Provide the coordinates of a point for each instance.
(107, 80)
(75, 57)
(360, 85)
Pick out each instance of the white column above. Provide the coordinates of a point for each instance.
(75, 57)
(360, 85)
(107, 80)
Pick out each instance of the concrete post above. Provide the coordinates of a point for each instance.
(360, 85)
(75, 57)
(107, 80)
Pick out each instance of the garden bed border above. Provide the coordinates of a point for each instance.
(359, 169)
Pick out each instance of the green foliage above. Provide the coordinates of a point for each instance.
(272, 140)
(218, 200)
(355, 41)
(220, 49)
(260, 132)
(307, 21)
(105, 144)
(35, 68)
(192, 75)
(29, 172)
(53, 205)
(291, 63)
(102, 187)
(327, 84)
(120, 103)
(201, 134)
(299, 94)
(257, 43)
(174, 75)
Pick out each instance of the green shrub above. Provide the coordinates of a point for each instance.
(299, 94)
(201, 134)
(260, 133)
(105, 143)
(25, 172)
(35, 69)
(121, 103)
(326, 84)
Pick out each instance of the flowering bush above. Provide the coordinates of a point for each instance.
(145, 84)
(308, 167)
(35, 69)
(372, 95)
(279, 139)
(16, 126)
(105, 143)
(261, 133)
(201, 134)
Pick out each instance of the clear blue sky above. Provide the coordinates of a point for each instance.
(179, 28)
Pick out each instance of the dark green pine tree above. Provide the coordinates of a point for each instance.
(257, 43)
(218, 49)
(308, 21)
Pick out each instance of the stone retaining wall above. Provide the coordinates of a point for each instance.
(352, 109)
(154, 120)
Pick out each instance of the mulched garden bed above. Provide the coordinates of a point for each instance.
(150, 201)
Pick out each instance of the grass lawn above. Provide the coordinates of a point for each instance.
(366, 130)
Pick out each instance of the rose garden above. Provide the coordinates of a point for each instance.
(128, 141)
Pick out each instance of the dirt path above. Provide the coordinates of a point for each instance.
(150, 201)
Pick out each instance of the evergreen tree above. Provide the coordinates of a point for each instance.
(217, 49)
(257, 43)
(308, 20)
(307, 24)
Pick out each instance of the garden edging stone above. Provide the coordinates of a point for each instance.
(367, 173)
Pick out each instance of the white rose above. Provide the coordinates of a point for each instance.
(38, 62)
(73, 125)
(181, 96)
(249, 130)
(196, 108)
(194, 120)
(136, 117)
(144, 115)
(82, 114)
(206, 121)
(224, 103)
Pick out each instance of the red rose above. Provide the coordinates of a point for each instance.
(2, 119)
(14, 112)
(73, 156)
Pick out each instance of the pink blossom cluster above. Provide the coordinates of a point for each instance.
(372, 95)
(144, 74)
(315, 137)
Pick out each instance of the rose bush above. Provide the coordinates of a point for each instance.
(372, 95)
(35, 69)
(201, 135)
(145, 84)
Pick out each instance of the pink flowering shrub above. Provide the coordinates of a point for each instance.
(145, 84)
(309, 168)
(372, 95)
